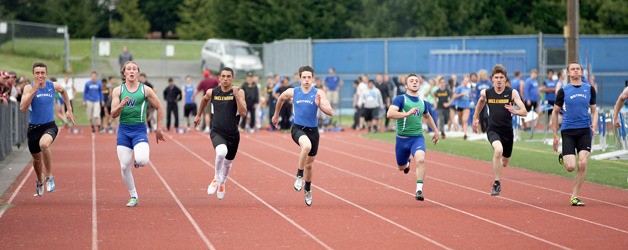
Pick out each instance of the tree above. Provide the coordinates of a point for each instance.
(163, 14)
(195, 20)
(131, 24)
(83, 17)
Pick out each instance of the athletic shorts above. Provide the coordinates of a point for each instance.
(460, 109)
(406, 146)
(370, 114)
(506, 139)
(232, 143)
(188, 109)
(131, 135)
(576, 140)
(36, 131)
(92, 109)
(311, 133)
(533, 105)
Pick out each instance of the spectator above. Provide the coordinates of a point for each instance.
(251, 96)
(286, 110)
(125, 56)
(384, 89)
(443, 96)
(531, 95)
(482, 84)
(372, 102)
(334, 85)
(150, 110)
(190, 106)
(172, 95)
(207, 83)
(93, 100)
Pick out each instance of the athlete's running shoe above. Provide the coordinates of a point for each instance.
(308, 198)
(419, 195)
(135, 164)
(211, 189)
(298, 183)
(496, 189)
(39, 189)
(50, 184)
(407, 169)
(132, 202)
(221, 192)
(560, 158)
(577, 202)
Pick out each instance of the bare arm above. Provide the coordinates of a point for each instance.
(116, 105)
(430, 123)
(594, 119)
(620, 102)
(27, 96)
(240, 102)
(394, 113)
(323, 103)
(68, 107)
(522, 108)
(476, 115)
(284, 97)
(206, 98)
(154, 101)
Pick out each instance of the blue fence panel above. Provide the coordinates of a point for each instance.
(553, 42)
(605, 54)
(446, 62)
(349, 57)
(412, 56)
(529, 44)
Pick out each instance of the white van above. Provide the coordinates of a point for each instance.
(236, 54)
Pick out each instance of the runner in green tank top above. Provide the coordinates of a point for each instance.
(129, 102)
(135, 110)
(409, 110)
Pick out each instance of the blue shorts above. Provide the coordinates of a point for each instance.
(131, 135)
(404, 147)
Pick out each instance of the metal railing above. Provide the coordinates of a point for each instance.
(13, 128)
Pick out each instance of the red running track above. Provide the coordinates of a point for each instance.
(360, 201)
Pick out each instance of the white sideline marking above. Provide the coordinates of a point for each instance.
(257, 197)
(17, 190)
(94, 204)
(185, 211)
(438, 203)
(484, 174)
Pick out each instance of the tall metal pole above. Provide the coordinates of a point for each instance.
(573, 10)
(66, 37)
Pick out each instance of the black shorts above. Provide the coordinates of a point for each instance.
(532, 104)
(576, 140)
(35, 132)
(506, 138)
(311, 133)
(188, 109)
(370, 114)
(232, 142)
(460, 109)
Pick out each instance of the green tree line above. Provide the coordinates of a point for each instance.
(259, 21)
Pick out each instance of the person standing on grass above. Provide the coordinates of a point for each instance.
(410, 111)
(499, 103)
(129, 102)
(621, 100)
(38, 97)
(575, 99)
(306, 101)
(227, 105)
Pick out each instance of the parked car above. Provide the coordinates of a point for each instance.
(236, 54)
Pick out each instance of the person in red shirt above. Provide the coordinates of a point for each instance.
(209, 82)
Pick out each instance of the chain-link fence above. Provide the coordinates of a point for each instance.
(157, 58)
(45, 41)
(14, 125)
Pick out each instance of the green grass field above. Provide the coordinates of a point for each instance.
(534, 156)
(19, 55)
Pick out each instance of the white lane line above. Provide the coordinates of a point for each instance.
(355, 205)
(185, 211)
(17, 190)
(481, 173)
(94, 203)
(435, 202)
(308, 233)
